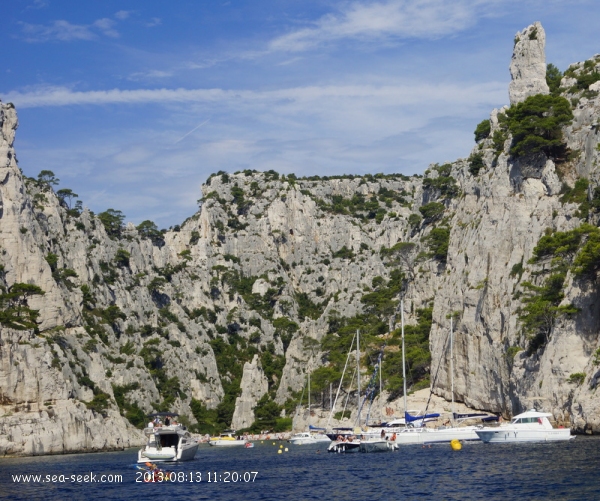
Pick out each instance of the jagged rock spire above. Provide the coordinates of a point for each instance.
(528, 64)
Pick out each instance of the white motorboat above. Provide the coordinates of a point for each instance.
(531, 426)
(344, 445)
(227, 439)
(168, 443)
(377, 445)
(305, 437)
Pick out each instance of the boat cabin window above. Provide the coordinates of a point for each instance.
(527, 420)
(169, 440)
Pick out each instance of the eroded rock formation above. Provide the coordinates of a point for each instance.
(528, 64)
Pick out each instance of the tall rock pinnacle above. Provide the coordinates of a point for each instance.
(528, 64)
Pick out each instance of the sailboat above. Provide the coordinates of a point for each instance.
(362, 438)
(442, 434)
(314, 435)
(414, 430)
(344, 439)
(462, 433)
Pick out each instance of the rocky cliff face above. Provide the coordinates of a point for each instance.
(274, 271)
(528, 64)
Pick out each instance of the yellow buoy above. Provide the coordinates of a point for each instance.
(286, 449)
(274, 443)
(279, 451)
(281, 446)
(455, 444)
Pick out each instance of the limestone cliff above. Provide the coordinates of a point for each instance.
(228, 308)
(528, 64)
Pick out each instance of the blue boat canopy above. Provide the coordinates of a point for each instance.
(311, 427)
(411, 419)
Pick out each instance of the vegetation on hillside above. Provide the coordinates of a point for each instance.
(14, 309)
(536, 125)
(576, 251)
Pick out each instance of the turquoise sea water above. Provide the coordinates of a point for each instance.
(559, 471)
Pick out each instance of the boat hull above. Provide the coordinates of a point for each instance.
(411, 436)
(377, 446)
(340, 447)
(154, 455)
(466, 434)
(167, 454)
(305, 439)
(227, 443)
(308, 441)
(506, 435)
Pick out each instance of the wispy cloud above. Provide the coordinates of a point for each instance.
(65, 31)
(155, 21)
(149, 75)
(408, 93)
(122, 14)
(38, 4)
(106, 26)
(57, 30)
(385, 20)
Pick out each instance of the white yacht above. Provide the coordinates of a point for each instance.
(168, 443)
(227, 439)
(306, 437)
(531, 426)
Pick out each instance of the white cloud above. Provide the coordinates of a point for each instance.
(38, 4)
(149, 75)
(400, 94)
(58, 30)
(384, 20)
(155, 21)
(65, 31)
(122, 14)
(106, 25)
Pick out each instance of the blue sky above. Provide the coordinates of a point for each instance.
(134, 103)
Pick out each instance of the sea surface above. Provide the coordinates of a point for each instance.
(547, 471)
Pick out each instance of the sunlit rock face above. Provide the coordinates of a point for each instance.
(528, 64)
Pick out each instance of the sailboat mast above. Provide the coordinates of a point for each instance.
(381, 416)
(452, 365)
(358, 370)
(309, 393)
(403, 354)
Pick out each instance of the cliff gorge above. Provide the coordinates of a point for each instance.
(221, 317)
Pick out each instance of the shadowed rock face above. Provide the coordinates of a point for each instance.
(254, 385)
(528, 64)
